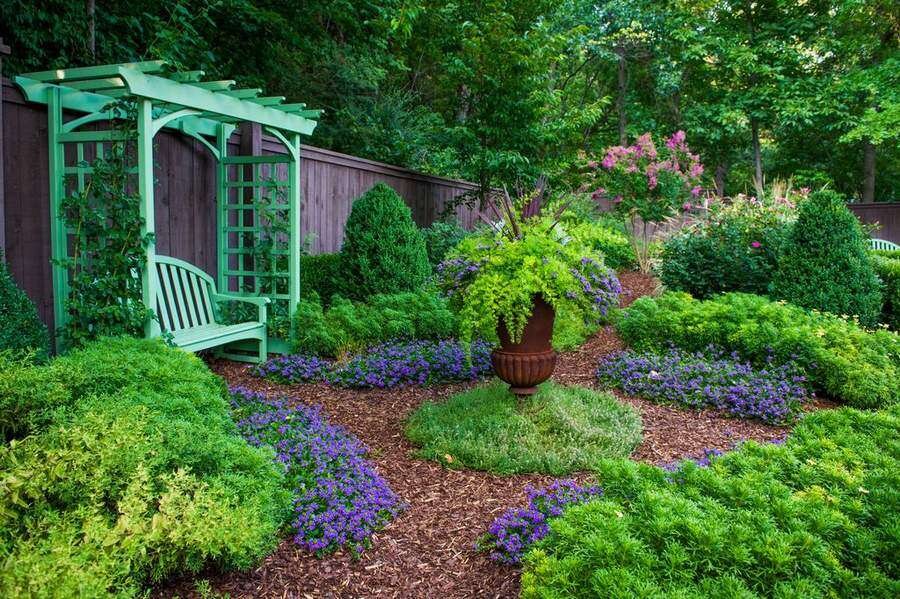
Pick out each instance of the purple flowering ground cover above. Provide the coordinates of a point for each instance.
(511, 535)
(339, 498)
(710, 379)
(386, 366)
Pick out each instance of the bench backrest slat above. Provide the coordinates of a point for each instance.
(184, 296)
(883, 244)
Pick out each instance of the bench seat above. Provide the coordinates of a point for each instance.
(187, 308)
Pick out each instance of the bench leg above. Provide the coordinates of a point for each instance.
(263, 349)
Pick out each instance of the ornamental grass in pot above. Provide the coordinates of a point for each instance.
(510, 279)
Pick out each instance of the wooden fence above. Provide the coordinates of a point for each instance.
(886, 215)
(186, 194)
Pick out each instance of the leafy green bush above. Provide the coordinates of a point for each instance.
(322, 274)
(557, 431)
(888, 270)
(814, 517)
(383, 250)
(736, 248)
(440, 238)
(612, 244)
(347, 326)
(825, 265)
(859, 367)
(22, 334)
(570, 330)
(133, 470)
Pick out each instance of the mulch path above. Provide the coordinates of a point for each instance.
(428, 550)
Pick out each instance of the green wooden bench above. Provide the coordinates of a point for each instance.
(187, 308)
(882, 244)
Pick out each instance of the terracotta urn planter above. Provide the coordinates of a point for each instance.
(527, 364)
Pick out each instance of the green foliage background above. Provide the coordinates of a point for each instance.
(497, 90)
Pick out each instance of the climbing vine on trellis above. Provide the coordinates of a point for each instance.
(106, 256)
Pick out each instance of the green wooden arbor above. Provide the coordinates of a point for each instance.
(252, 191)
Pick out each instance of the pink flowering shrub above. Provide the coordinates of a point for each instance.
(648, 185)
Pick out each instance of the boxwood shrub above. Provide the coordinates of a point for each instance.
(848, 363)
(888, 270)
(814, 517)
(383, 251)
(610, 242)
(322, 274)
(132, 470)
(22, 334)
(825, 265)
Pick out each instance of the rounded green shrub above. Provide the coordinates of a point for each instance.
(383, 250)
(609, 242)
(132, 470)
(22, 334)
(888, 270)
(825, 265)
(557, 431)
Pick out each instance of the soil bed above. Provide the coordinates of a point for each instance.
(428, 550)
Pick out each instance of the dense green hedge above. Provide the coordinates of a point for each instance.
(383, 251)
(888, 270)
(848, 363)
(440, 238)
(322, 274)
(347, 326)
(815, 517)
(22, 334)
(825, 265)
(132, 470)
(611, 243)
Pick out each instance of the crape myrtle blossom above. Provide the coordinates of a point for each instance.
(339, 498)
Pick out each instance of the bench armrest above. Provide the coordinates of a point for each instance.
(259, 302)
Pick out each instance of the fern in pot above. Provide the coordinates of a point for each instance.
(509, 280)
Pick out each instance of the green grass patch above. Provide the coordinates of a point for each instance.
(557, 431)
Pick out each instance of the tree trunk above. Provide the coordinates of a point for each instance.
(620, 98)
(868, 193)
(92, 27)
(757, 159)
(720, 176)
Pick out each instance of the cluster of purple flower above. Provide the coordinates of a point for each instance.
(455, 274)
(413, 363)
(339, 498)
(510, 535)
(599, 283)
(396, 364)
(295, 368)
(708, 380)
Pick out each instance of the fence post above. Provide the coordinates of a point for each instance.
(4, 50)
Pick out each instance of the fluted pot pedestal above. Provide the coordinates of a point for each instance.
(529, 363)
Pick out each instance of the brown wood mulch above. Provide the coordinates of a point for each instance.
(428, 551)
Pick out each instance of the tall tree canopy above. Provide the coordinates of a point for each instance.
(501, 90)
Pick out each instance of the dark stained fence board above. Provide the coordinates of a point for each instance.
(185, 190)
(885, 214)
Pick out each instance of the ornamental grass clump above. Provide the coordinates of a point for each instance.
(517, 529)
(558, 430)
(339, 498)
(708, 379)
(493, 276)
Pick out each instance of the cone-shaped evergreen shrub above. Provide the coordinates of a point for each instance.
(825, 265)
(21, 331)
(383, 250)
